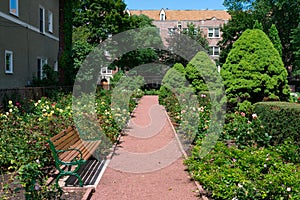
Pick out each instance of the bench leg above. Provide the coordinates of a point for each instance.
(57, 179)
(79, 179)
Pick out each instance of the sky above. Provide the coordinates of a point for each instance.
(175, 4)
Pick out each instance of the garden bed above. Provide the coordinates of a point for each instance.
(27, 125)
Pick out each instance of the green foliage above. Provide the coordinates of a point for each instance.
(258, 25)
(116, 78)
(175, 78)
(283, 13)
(96, 25)
(81, 48)
(101, 18)
(239, 22)
(201, 73)
(296, 47)
(245, 130)
(178, 40)
(250, 173)
(196, 34)
(275, 39)
(168, 99)
(254, 70)
(50, 77)
(67, 73)
(23, 135)
(281, 120)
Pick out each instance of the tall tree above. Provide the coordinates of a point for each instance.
(96, 20)
(196, 34)
(258, 25)
(239, 22)
(177, 40)
(296, 48)
(142, 36)
(66, 69)
(275, 39)
(101, 17)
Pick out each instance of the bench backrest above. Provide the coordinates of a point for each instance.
(65, 138)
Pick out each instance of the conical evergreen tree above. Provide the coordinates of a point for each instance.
(254, 71)
(258, 25)
(275, 39)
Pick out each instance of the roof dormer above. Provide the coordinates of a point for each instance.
(128, 11)
(162, 15)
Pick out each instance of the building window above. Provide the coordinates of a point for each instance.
(14, 7)
(179, 25)
(42, 20)
(214, 51)
(105, 70)
(213, 32)
(8, 62)
(41, 62)
(171, 31)
(50, 21)
(55, 67)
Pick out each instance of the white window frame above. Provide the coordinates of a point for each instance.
(55, 67)
(179, 25)
(17, 8)
(50, 21)
(212, 32)
(40, 71)
(105, 70)
(213, 50)
(42, 26)
(11, 60)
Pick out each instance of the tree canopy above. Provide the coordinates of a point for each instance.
(178, 40)
(96, 20)
(101, 18)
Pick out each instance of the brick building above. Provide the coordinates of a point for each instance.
(209, 22)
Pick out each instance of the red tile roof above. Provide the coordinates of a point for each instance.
(181, 15)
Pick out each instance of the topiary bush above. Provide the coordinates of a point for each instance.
(280, 119)
(202, 73)
(254, 71)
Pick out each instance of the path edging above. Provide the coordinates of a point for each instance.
(199, 187)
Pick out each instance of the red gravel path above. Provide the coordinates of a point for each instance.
(147, 167)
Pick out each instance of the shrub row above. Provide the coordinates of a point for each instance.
(280, 119)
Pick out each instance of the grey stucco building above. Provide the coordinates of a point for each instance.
(29, 38)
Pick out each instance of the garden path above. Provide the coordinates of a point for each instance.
(148, 161)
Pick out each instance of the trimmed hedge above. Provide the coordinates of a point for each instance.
(281, 120)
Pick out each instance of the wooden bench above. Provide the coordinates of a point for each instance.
(71, 151)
